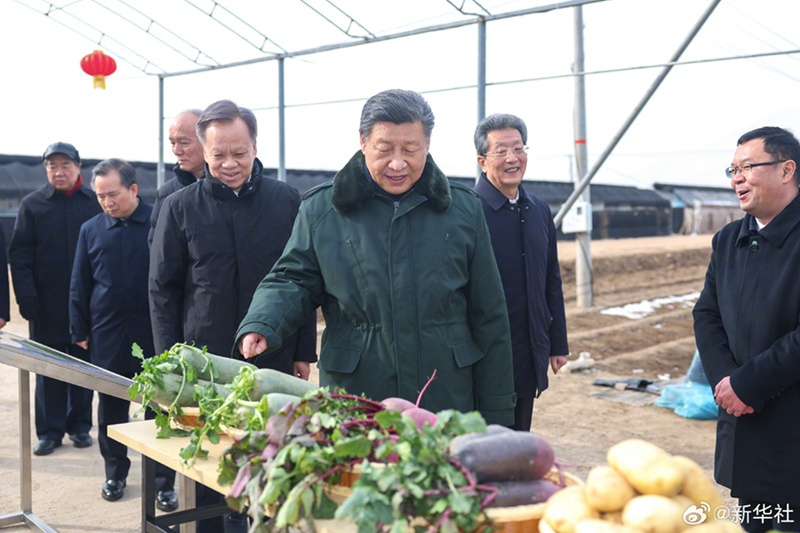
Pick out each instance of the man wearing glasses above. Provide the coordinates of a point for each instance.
(747, 333)
(524, 243)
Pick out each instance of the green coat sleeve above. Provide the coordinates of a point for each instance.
(488, 316)
(290, 292)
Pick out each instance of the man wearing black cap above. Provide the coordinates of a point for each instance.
(41, 254)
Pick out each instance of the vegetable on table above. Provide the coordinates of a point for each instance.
(607, 490)
(228, 394)
(621, 499)
(525, 492)
(179, 392)
(307, 445)
(648, 468)
(267, 380)
(654, 514)
(697, 486)
(566, 508)
(505, 456)
(208, 366)
(426, 488)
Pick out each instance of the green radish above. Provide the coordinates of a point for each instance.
(279, 400)
(269, 381)
(206, 365)
(248, 411)
(173, 389)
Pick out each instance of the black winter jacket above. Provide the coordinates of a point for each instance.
(41, 255)
(210, 251)
(180, 180)
(746, 327)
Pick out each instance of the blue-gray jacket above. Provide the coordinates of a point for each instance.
(542, 297)
(108, 292)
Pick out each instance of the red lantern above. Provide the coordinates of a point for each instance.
(99, 65)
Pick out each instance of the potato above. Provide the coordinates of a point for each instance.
(634, 453)
(607, 490)
(566, 508)
(544, 528)
(615, 517)
(697, 486)
(595, 525)
(683, 501)
(648, 468)
(652, 513)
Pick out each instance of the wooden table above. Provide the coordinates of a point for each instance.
(141, 437)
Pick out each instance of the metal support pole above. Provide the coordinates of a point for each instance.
(481, 77)
(160, 168)
(583, 239)
(599, 163)
(281, 122)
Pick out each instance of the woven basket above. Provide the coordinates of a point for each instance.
(352, 474)
(518, 519)
(189, 419)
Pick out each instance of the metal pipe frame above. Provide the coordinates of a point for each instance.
(29, 356)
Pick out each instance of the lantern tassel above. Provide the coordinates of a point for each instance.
(99, 82)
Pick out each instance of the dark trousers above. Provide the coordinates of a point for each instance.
(760, 517)
(523, 414)
(62, 408)
(112, 410)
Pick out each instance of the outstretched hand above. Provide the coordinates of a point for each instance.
(252, 344)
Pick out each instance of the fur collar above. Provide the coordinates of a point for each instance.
(352, 188)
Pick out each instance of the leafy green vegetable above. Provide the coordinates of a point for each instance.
(170, 380)
(407, 479)
(425, 490)
(303, 448)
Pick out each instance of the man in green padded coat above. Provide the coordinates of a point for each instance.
(401, 263)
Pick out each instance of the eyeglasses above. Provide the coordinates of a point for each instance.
(502, 153)
(747, 167)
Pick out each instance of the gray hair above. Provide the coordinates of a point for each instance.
(193, 111)
(226, 111)
(498, 121)
(398, 107)
(127, 174)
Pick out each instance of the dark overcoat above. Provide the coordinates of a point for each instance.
(746, 327)
(543, 296)
(211, 249)
(41, 254)
(180, 180)
(108, 292)
(407, 287)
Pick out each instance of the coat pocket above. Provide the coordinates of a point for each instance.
(467, 354)
(341, 360)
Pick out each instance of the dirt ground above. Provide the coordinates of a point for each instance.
(580, 420)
